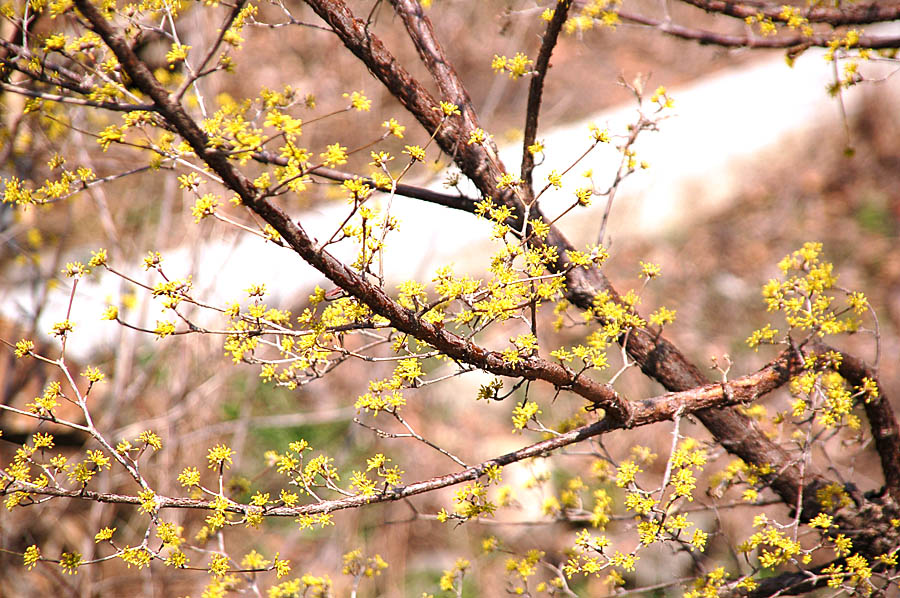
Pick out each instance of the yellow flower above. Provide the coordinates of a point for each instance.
(178, 53)
(61, 329)
(93, 374)
(104, 534)
(69, 562)
(219, 457)
(218, 565)
(394, 128)
(450, 109)
(23, 347)
(415, 152)
(662, 316)
(478, 137)
(334, 155)
(190, 476)
(55, 42)
(515, 67)
(204, 206)
(164, 328)
(555, 179)
(359, 101)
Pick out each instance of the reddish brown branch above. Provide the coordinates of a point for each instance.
(648, 411)
(847, 14)
(536, 88)
(882, 420)
(456, 202)
(479, 162)
(432, 55)
(404, 320)
(716, 38)
(657, 357)
(370, 50)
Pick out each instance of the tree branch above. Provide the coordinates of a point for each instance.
(648, 411)
(53, 97)
(847, 14)
(198, 72)
(536, 88)
(882, 421)
(456, 202)
(421, 32)
(706, 37)
(405, 320)
(370, 50)
(657, 357)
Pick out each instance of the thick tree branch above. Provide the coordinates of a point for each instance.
(357, 38)
(420, 30)
(479, 162)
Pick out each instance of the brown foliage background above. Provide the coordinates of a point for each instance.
(186, 391)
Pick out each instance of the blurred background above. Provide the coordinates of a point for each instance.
(717, 208)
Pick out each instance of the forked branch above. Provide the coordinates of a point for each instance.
(649, 411)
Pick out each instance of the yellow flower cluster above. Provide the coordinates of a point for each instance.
(804, 297)
(520, 570)
(773, 545)
(603, 11)
(357, 565)
(517, 66)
